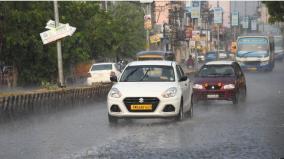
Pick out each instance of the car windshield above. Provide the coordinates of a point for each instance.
(214, 70)
(101, 67)
(253, 47)
(148, 74)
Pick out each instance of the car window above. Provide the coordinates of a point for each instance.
(148, 74)
(179, 75)
(101, 67)
(217, 70)
(181, 71)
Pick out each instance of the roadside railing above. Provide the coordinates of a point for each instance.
(29, 102)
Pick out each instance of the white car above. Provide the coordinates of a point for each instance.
(101, 72)
(222, 54)
(150, 89)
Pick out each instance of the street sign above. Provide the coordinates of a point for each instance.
(235, 18)
(192, 44)
(148, 24)
(218, 15)
(246, 23)
(146, 1)
(195, 10)
(155, 38)
(146, 17)
(253, 25)
(196, 35)
(57, 33)
(51, 24)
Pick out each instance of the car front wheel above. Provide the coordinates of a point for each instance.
(190, 112)
(180, 115)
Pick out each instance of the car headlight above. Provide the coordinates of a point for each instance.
(197, 86)
(115, 93)
(171, 92)
(229, 86)
(264, 63)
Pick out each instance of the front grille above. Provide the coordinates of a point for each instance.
(137, 100)
(252, 63)
(213, 87)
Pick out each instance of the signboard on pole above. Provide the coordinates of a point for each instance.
(218, 15)
(246, 23)
(57, 33)
(253, 25)
(155, 38)
(235, 18)
(195, 10)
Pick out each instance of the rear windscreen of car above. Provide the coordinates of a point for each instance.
(216, 70)
(101, 67)
(148, 74)
(211, 54)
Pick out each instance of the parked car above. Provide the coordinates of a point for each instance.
(210, 56)
(150, 89)
(223, 55)
(220, 80)
(101, 72)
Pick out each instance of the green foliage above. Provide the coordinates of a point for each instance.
(116, 33)
(275, 10)
(48, 85)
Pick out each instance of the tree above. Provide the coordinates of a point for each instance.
(117, 33)
(275, 10)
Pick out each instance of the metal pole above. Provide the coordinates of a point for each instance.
(235, 33)
(147, 30)
(59, 54)
(218, 41)
(206, 27)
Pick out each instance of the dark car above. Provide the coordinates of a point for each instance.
(220, 80)
(210, 56)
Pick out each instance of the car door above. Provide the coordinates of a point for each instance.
(185, 85)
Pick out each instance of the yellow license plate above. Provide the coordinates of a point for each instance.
(252, 69)
(141, 107)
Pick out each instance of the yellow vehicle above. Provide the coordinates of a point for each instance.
(155, 55)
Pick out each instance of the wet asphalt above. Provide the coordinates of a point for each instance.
(219, 129)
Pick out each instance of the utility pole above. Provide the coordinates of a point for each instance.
(235, 27)
(58, 43)
(148, 11)
(218, 35)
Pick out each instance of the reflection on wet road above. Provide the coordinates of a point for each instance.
(254, 129)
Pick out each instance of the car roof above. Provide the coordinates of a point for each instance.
(220, 63)
(103, 63)
(153, 52)
(152, 62)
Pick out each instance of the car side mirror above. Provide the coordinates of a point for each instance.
(183, 78)
(113, 78)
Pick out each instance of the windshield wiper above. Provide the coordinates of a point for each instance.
(249, 52)
(146, 74)
(131, 73)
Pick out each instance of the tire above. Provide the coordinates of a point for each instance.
(243, 94)
(190, 112)
(112, 119)
(180, 115)
(236, 99)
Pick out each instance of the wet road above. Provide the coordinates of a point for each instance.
(254, 129)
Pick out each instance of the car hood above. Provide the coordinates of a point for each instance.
(214, 80)
(143, 89)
